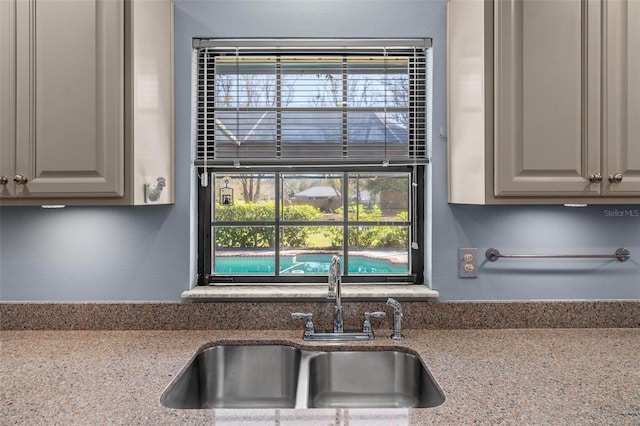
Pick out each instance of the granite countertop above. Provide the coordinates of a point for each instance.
(525, 376)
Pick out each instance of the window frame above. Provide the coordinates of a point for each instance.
(415, 249)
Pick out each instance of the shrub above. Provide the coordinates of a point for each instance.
(371, 236)
(261, 236)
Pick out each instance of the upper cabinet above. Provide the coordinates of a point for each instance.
(621, 115)
(542, 97)
(86, 99)
(7, 95)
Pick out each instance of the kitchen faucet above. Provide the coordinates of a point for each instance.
(335, 284)
(338, 334)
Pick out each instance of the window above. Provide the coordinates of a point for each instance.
(306, 149)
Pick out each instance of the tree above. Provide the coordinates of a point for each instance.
(251, 185)
(379, 185)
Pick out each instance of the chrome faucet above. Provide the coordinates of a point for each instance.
(338, 333)
(397, 318)
(335, 284)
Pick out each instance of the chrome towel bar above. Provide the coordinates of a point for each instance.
(621, 254)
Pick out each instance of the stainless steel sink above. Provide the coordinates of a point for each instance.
(385, 379)
(237, 376)
(280, 376)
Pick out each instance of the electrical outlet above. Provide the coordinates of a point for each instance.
(467, 262)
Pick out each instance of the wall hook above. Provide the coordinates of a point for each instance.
(152, 193)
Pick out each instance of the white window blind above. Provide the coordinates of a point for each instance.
(320, 102)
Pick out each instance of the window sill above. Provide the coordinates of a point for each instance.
(309, 292)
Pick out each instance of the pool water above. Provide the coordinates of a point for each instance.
(313, 264)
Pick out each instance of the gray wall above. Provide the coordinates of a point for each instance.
(145, 253)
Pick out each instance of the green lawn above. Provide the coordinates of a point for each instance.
(318, 240)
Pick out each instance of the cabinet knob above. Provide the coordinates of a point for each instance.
(595, 178)
(615, 178)
(3, 180)
(20, 180)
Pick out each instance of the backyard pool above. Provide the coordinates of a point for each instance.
(304, 264)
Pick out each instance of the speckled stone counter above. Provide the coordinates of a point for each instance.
(277, 315)
(527, 376)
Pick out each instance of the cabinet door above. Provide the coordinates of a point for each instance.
(7, 97)
(547, 97)
(622, 97)
(70, 97)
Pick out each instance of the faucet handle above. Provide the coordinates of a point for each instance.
(308, 327)
(366, 327)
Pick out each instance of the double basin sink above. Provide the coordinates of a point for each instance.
(282, 376)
